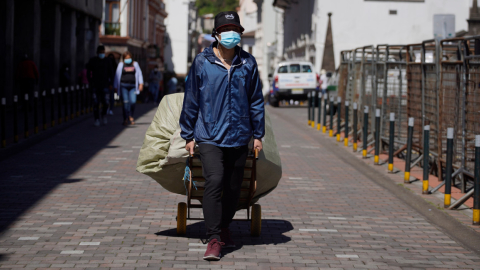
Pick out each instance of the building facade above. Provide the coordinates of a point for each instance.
(364, 22)
(177, 36)
(51, 33)
(135, 26)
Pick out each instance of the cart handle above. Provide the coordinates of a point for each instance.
(256, 153)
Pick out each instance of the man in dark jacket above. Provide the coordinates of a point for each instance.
(222, 110)
(101, 81)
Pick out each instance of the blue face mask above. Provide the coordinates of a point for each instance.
(128, 61)
(101, 55)
(230, 39)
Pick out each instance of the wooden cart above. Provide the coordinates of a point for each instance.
(255, 217)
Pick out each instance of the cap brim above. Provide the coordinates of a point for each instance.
(243, 29)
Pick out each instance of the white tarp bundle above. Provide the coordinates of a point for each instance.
(163, 155)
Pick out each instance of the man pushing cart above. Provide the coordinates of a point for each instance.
(223, 108)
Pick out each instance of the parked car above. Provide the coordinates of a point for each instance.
(293, 81)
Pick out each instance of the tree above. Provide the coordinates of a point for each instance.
(215, 6)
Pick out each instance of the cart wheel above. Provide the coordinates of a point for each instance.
(256, 222)
(182, 218)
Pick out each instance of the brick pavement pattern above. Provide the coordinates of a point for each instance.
(75, 201)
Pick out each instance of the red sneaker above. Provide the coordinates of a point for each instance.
(226, 237)
(214, 249)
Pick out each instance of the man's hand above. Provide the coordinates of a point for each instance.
(257, 144)
(190, 147)
(140, 87)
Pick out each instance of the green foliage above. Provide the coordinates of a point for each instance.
(215, 6)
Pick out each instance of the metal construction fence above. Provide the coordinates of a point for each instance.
(436, 82)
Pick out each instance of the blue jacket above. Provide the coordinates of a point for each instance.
(223, 107)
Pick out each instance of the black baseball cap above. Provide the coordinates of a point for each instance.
(227, 18)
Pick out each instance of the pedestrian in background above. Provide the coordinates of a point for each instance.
(154, 84)
(172, 84)
(323, 81)
(83, 76)
(101, 70)
(128, 83)
(27, 76)
(111, 100)
(65, 78)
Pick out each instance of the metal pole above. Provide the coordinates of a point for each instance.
(324, 129)
(339, 119)
(308, 105)
(65, 102)
(52, 107)
(426, 154)
(391, 142)
(4, 122)
(44, 111)
(15, 119)
(355, 126)
(376, 158)
(448, 170)
(345, 137)
(408, 158)
(59, 99)
(476, 187)
(82, 99)
(365, 131)
(25, 110)
(79, 100)
(35, 112)
(330, 131)
(319, 107)
(314, 98)
(72, 102)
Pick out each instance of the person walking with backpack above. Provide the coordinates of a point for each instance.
(128, 83)
(223, 109)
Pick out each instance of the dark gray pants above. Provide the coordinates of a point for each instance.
(223, 171)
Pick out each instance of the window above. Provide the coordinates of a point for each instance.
(283, 69)
(393, 12)
(112, 11)
(294, 68)
(112, 16)
(307, 69)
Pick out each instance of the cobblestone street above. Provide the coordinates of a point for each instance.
(75, 201)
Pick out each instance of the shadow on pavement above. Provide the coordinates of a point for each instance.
(272, 233)
(29, 176)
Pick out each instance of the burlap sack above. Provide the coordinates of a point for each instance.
(163, 155)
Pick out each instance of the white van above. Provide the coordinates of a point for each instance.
(293, 81)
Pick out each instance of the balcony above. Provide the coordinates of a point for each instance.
(112, 28)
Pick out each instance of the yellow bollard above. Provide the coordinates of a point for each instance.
(319, 126)
(425, 186)
(364, 153)
(355, 146)
(345, 141)
(447, 200)
(330, 133)
(476, 216)
(390, 167)
(313, 124)
(324, 129)
(338, 137)
(376, 159)
(406, 177)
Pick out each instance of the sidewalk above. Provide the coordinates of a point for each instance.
(75, 201)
